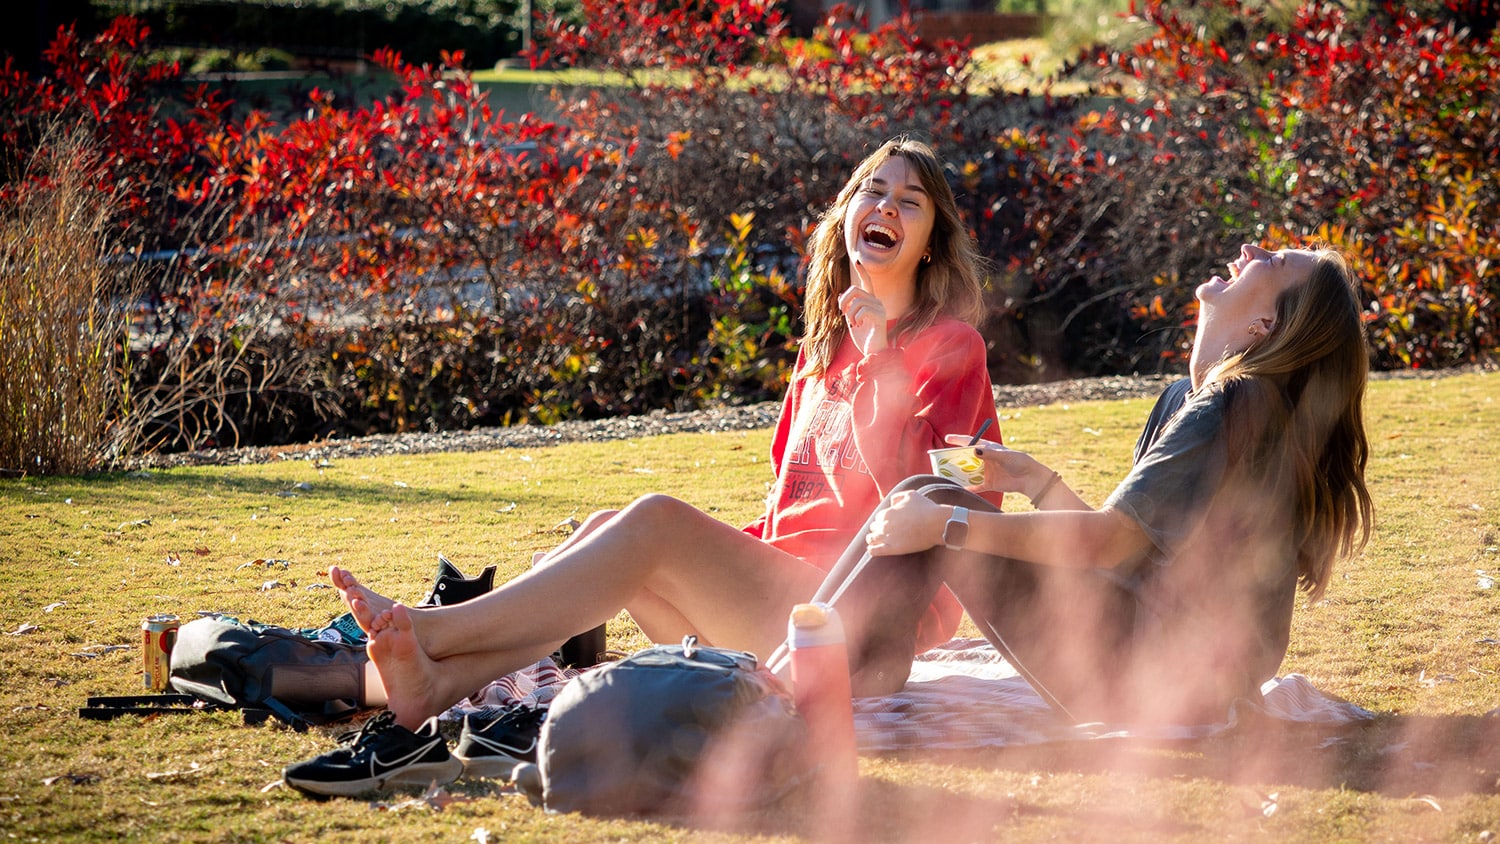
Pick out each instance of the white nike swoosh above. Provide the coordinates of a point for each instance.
(495, 744)
(378, 766)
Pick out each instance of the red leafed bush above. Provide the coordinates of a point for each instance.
(1379, 134)
(421, 261)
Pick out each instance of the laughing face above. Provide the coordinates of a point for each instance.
(889, 221)
(1256, 278)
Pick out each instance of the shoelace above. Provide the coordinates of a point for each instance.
(354, 738)
(521, 714)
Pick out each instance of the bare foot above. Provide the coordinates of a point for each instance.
(351, 589)
(369, 620)
(410, 677)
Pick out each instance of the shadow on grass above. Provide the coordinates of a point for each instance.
(191, 484)
(1396, 756)
(912, 814)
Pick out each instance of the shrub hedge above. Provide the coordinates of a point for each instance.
(419, 261)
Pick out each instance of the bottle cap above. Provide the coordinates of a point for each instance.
(809, 615)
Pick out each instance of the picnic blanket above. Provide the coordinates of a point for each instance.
(964, 695)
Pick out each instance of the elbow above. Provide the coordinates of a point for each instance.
(1113, 538)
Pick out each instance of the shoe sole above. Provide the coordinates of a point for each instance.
(423, 775)
(489, 767)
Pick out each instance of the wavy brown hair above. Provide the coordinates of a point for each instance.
(1296, 413)
(950, 284)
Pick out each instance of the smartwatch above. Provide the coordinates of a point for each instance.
(956, 531)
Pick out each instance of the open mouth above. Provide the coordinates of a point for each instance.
(879, 236)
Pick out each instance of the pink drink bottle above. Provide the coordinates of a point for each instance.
(820, 681)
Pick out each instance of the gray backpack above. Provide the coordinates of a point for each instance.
(676, 728)
(262, 668)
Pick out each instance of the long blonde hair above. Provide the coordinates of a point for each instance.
(1297, 411)
(950, 283)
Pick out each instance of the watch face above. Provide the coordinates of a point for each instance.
(956, 531)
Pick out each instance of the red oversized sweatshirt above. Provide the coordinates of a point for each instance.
(847, 437)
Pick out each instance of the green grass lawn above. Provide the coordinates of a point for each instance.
(1409, 630)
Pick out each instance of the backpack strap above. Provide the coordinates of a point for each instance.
(271, 706)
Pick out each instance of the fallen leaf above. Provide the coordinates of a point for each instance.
(402, 484)
(202, 552)
(302, 485)
(191, 770)
(568, 524)
(509, 506)
(435, 798)
(146, 522)
(267, 562)
(1430, 801)
(480, 835)
(1268, 804)
(1436, 680)
(272, 786)
(26, 627)
(74, 779)
(173, 559)
(54, 605)
(93, 651)
(276, 584)
(318, 586)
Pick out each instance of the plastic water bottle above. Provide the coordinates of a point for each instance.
(820, 685)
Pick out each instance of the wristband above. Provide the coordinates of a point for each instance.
(1046, 488)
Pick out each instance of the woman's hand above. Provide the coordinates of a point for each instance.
(908, 523)
(1006, 470)
(865, 314)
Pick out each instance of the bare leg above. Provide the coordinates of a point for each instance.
(350, 588)
(731, 588)
(669, 563)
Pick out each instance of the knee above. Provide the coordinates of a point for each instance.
(919, 482)
(656, 509)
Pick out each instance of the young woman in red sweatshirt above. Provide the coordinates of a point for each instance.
(890, 365)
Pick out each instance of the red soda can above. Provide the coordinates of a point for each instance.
(158, 635)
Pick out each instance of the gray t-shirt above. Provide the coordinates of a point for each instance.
(1179, 461)
(1214, 593)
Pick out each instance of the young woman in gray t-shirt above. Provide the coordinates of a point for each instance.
(1174, 597)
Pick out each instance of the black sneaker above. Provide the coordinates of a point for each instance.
(493, 745)
(451, 586)
(380, 754)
